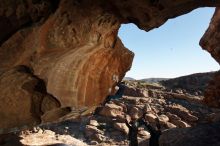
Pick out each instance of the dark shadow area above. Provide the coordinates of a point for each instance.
(10, 139)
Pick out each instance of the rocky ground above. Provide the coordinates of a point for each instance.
(176, 110)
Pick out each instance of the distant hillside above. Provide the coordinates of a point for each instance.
(128, 79)
(154, 80)
(191, 83)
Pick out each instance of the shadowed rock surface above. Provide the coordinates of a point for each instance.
(193, 84)
(202, 135)
(210, 42)
(73, 47)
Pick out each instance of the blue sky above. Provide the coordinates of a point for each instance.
(171, 50)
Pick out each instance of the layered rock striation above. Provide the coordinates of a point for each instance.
(75, 52)
(73, 48)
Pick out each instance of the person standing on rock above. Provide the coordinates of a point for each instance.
(133, 132)
(118, 94)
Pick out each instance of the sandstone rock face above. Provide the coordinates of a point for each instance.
(210, 42)
(26, 101)
(73, 47)
(16, 14)
(79, 57)
(212, 92)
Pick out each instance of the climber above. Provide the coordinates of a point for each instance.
(133, 132)
(118, 94)
(155, 133)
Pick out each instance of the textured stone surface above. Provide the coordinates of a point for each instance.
(136, 113)
(210, 42)
(121, 127)
(111, 110)
(76, 53)
(129, 91)
(202, 135)
(15, 15)
(26, 101)
(48, 137)
(73, 46)
(212, 92)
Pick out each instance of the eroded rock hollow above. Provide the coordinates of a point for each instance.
(60, 57)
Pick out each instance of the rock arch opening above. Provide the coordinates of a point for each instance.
(172, 49)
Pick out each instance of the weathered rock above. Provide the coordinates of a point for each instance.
(145, 93)
(75, 50)
(150, 117)
(174, 119)
(196, 136)
(49, 137)
(132, 100)
(182, 112)
(135, 92)
(180, 123)
(94, 142)
(26, 101)
(170, 125)
(152, 94)
(76, 55)
(92, 130)
(147, 108)
(163, 118)
(111, 110)
(121, 127)
(144, 134)
(135, 113)
(120, 104)
(172, 116)
(16, 14)
(210, 42)
(93, 123)
(192, 84)
(98, 137)
(212, 93)
(145, 100)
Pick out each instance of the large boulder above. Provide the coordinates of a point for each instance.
(112, 110)
(202, 135)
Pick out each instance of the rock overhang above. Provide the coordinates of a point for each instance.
(75, 49)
